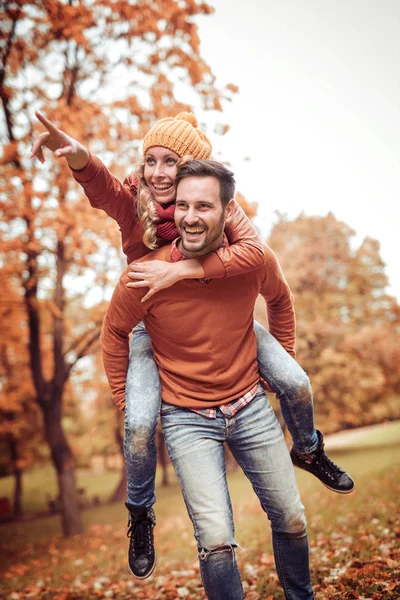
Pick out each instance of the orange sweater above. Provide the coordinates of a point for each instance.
(202, 333)
(118, 201)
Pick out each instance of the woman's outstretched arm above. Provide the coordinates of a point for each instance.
(61, 144)
(102, 189)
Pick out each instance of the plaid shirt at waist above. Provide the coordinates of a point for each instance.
(230, 409)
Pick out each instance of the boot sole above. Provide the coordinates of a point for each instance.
(147, 574)
(333, 489)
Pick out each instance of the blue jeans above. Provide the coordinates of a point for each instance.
(292, 388)
(196, 448)
(142, 410)
(143, 401)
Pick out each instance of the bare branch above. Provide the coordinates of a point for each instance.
(82, 352)
(80, 340)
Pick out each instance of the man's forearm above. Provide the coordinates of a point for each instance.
(280, 303)
(282, 325)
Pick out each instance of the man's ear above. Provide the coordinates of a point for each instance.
(229, 209)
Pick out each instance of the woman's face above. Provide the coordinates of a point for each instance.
(160, 173)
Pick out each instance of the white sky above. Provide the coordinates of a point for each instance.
(318, 111)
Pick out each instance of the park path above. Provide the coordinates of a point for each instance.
(348, 437)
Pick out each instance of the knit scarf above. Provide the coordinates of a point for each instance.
(166, 229)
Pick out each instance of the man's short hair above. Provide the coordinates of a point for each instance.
(209, 168)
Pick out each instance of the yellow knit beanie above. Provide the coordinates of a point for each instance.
(179, 134)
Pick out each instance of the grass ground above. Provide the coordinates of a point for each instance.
(354, 542)
(40, 484)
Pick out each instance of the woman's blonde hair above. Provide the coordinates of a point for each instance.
(146, 208)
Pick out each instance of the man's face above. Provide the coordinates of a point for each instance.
(199, 216)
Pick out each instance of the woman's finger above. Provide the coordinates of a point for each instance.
(149, 294)
(137, 284)
(135, 275)
(48, 124)
(38, 143)
(138, 267)
(64, 151)
(38, 154)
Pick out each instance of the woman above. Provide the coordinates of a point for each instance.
(143, 207)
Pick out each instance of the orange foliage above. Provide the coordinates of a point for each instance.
(250, 208)
(19, 419)
(348, 326)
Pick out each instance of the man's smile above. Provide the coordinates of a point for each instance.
(193, 230)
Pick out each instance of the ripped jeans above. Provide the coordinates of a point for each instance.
(196, 447)
(143, 401)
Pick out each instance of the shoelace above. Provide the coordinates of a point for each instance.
(141, 531)
(328, 465)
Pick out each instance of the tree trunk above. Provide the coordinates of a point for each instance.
(17, 500)
(65, 468)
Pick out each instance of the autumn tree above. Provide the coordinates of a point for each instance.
(250, 208)
(20, 430)
(347, 324)
(104, 71)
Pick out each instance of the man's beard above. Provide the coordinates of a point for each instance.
(208, 241)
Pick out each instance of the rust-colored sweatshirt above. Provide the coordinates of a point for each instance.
(118, 201)
(202, 333)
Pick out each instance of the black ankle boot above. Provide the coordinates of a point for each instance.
(317, 463)
(141, 553)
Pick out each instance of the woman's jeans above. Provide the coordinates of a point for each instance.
(143, 401)
(196, 447)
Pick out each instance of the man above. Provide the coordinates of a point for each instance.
(204, 344)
